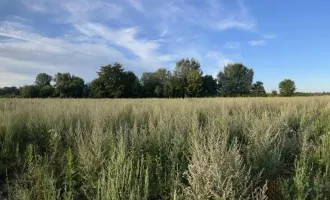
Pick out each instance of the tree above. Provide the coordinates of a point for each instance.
(97, 89)
(287, 87)
(131, 85)
(209, 86)
(30, 91)
(69, 86)
(111, 77)
(182, 70)
(235, 79)
(149, 83)
(194, 83)
(258, 89)
(274, 93)
(43, 79)
(46, 91)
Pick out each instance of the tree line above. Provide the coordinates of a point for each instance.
(187, 80)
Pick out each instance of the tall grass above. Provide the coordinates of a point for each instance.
(219, 148)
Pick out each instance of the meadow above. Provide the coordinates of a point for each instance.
(127, 149)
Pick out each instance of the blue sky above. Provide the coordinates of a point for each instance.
(278, 39)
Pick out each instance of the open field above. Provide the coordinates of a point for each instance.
(218, 148)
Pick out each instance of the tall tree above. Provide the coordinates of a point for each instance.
(195, 83)
(209, 86)
(46, 91)
(112, 78)
(235, 79)
(30, 91)
(132, 85)
(68, 86)
(43, 79)
(258, 89)
(149, 83)
(182, 70)
(287, 87)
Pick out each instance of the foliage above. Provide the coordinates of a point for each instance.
(235, 79)
(195, 83)
(258, 89)
(43, 79)
(210, 148)
(182, 71)
(30, 91)
(209, 86)
(287, 87)
(68, 86)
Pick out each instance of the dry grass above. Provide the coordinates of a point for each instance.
(217, 148)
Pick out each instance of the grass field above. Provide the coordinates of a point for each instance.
(217, 148)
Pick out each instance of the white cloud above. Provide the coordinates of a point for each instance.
(270, 36)
(257, 43)
(137, 5)
(142, 34)
(232, 45)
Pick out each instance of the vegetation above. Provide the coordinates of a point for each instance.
(187, 80)
(215, 148)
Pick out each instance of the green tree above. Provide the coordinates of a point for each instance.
(235, 79)
(209, 86)
(30, 91)
(132, 85)
(43, 79)
(287, 87)
(195, 83)
(258, 89)
(46, 91)
(69, 86)
(112, 78)
(149, 83)
(182, 70)
(97, 89)
(274, 93)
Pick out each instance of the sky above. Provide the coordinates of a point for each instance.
(278, 39)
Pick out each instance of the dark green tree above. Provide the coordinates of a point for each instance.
(69, 86)
(258, 89)
(149, 83)
(46, 91)
(274, 93)
(112, 79)
(30, 91)
(132, 85)
(287, 87)
(209, 86)
(43, 79)
(235, 80)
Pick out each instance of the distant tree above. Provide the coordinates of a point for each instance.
(182, 70)
(87, 90)
(173, 88)
(30, 91)
(131, 84)
(46, 91)
(149, 83)
(194, 83)
(287, 87)
(69, 86)
(209, 86)
(274, 93)
(97, 89)
(235, 79)
(112, 78)
(9, 91)
(43, 79)
(258, 89)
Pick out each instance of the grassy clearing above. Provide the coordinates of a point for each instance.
(232, 148)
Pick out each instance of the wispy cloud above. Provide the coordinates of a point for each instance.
(270, 36)
(80, 35)
(257, 43)
(232, 45)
